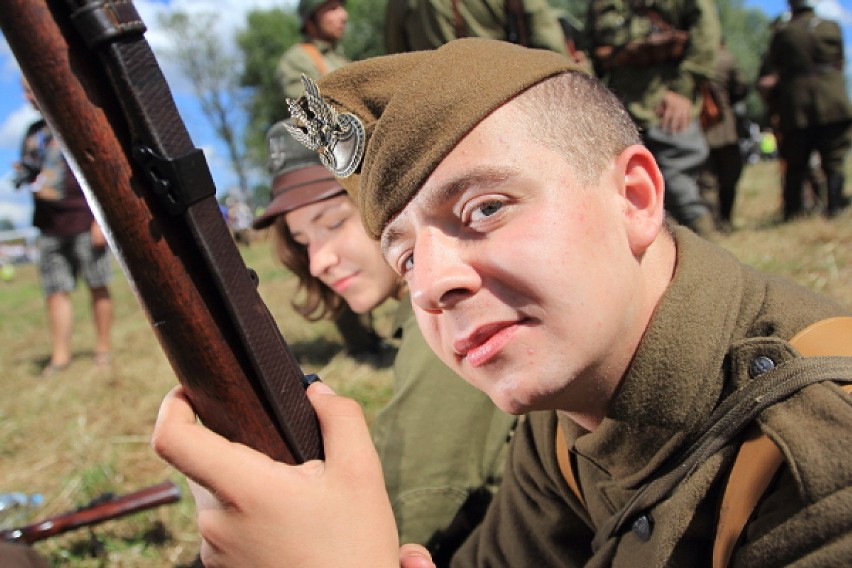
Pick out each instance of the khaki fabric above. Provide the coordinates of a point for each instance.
(298, 60)
(613, 23)
(439, 439)
(717, 317)
(808, 55)
(731, 84)
(414, 25)
(415, 107)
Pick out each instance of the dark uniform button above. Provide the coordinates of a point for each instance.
(642, 528)
(760, 365)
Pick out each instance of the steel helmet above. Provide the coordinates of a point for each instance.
(307, 8)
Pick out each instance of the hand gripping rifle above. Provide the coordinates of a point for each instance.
(101, 509)
(101, 91)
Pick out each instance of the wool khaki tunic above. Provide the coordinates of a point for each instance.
(716, 318)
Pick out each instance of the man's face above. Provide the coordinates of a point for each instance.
(522, 279)
(331, 20)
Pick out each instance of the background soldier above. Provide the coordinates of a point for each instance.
(813, 106)
(322, 23)
(724, 165)
(654, 54)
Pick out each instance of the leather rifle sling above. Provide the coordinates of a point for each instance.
(759, 458)
(113, 30)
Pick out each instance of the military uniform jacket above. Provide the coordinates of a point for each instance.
(439, 439)
(298, 60)
(614, 23)
(716, 319)
(732, 88)
(807, 54)
(414, 25)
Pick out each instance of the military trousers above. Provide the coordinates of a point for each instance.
(680, 156)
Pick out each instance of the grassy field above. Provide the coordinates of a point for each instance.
(86, 431)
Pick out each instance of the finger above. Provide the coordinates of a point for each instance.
(198, 452)
(344, 428)
(414, 556)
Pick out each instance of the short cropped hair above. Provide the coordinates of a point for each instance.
(576, 115)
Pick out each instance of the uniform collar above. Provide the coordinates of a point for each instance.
(675, 378)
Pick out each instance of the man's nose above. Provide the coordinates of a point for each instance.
(441, 275)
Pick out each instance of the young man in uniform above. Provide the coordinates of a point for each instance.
(512, 194)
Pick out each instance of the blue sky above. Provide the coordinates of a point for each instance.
(15, 114)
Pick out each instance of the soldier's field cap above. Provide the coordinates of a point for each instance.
(415, 107)
(298, 178)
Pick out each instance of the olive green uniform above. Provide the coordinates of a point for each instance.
(614, 24)
(724, 165)
(441, 441)
(298, 60)
(413, 25)
(812, 103)
(717, 318)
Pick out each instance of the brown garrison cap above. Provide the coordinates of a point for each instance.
(415, 107)
(298, 178)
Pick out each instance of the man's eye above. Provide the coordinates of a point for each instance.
(486, 209)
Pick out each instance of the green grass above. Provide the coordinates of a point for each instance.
(86, 431)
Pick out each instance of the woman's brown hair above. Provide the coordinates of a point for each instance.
(317, 301)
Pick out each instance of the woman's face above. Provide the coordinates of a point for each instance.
(341, 254)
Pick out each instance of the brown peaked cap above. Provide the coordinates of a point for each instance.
(415, 107)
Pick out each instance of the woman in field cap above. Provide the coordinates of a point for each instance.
(438, 474)
(512, 194)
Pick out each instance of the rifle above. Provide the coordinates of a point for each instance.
(102, 93)
(103, 508)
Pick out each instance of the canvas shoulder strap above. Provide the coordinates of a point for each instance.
(759, 458)
(315, 56)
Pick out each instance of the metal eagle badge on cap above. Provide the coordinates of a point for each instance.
(337, 138)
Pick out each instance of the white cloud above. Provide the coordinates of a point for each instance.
(15, 124)
(834, 10)
(14, 204)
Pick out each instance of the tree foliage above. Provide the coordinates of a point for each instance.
(200, 54)
(268, 34)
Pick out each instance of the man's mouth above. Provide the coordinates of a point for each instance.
(486, 342)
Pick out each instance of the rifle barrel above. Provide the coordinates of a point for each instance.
(120, 506)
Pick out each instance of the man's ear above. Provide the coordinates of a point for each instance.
(643, 194)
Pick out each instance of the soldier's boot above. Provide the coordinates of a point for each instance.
(835, 201)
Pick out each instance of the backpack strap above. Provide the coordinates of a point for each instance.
(759, 458)
(566, 466)
(315, 55)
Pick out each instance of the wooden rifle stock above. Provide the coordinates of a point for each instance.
(113, 114)
(102, 509)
